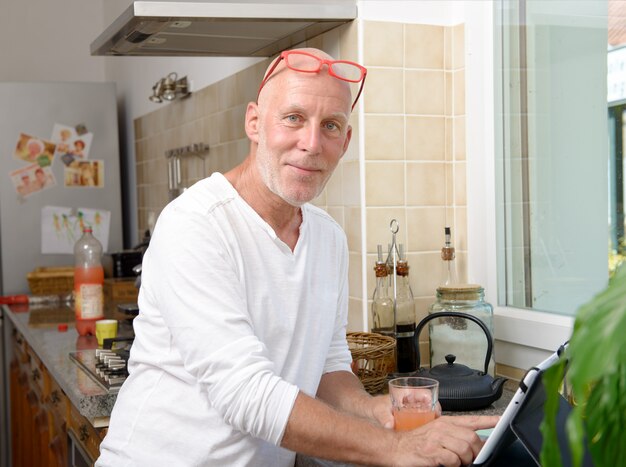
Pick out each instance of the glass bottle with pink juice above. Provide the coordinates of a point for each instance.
(88, 283)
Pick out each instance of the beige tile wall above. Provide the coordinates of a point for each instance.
(414, 151)
(415, 147)
(214, 116)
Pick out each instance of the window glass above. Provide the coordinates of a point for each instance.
(554, 158)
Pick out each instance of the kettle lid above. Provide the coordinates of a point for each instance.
(451, 369)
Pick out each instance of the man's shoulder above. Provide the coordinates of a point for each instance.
(200, 209)
(318, 212)
(321, 219)
(205, 195)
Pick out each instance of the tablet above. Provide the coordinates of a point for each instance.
(503, 434)
(526, 426)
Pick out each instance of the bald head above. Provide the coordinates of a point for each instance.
(281, 79)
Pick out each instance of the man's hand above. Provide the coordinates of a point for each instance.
(380, 407)
(449, 441)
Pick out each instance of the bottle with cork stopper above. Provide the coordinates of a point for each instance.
(448, 256)
(459, 336)
(382, 303)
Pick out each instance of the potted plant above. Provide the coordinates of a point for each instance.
(596, 374)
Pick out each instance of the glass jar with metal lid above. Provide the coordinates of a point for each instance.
(459, 336)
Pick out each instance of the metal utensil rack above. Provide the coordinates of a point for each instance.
(174, 156)
(392, 261)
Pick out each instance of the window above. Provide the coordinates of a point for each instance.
(617, 125)
(553, 154)
(537, 166)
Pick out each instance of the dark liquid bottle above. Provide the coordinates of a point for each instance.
(407, 360)
(405, 321)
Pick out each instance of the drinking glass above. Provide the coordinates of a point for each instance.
(413, 401)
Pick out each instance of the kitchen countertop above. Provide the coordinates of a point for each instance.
(39, 326)
(92, 401)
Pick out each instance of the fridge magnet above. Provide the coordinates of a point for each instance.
(85, 174)
(31, 149)
(61, 227)
(81, 129)
(32, 179)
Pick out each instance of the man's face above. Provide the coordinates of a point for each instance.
(41, 177)
(303, 132)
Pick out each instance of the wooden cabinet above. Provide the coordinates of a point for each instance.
(41, 415)
(88, 437)
(56, 407)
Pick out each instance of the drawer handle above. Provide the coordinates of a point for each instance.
(22, 379)
(54, 397)
(83, 433)
(31, 397)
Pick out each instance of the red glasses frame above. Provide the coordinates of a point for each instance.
(322, 62)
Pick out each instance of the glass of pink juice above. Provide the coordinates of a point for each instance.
(413, 400)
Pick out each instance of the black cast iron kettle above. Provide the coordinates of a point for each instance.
(461, 387)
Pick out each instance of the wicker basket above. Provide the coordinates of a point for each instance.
(51, 281)
(373, 358)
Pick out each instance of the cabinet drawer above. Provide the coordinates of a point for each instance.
(57, 404)
(88, 437)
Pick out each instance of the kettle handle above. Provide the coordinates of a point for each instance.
(455, 314)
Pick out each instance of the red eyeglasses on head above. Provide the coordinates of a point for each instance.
(305, 62)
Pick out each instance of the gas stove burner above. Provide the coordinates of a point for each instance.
(106, 367)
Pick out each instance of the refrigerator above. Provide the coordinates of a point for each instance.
(60, 167)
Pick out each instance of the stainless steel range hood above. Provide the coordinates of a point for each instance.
(235, 29)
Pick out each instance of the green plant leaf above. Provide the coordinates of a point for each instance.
(576, 435)
(606, 411)
(550, 453)
(597, 375)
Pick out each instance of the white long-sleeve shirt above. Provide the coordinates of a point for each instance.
(232, 324)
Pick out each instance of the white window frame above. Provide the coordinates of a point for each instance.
(522, 337)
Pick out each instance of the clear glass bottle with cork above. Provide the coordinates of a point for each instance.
(448, 256)
(458, 336)
(382, 303)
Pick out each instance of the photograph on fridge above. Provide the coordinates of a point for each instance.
(32, 179)
(34, 150)
(72, 145)
(85, 174)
